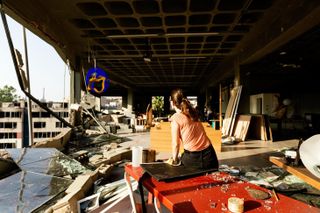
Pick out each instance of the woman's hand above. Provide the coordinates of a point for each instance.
(172, 162)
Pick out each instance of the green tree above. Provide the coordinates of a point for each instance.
(157, 104)
(8, 94)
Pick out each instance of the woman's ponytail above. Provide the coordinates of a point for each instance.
(184, 105)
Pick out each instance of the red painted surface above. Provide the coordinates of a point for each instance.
(206, 194)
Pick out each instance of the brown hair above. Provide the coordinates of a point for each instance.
(182, 103)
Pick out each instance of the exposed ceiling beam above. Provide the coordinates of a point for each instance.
(277, 28)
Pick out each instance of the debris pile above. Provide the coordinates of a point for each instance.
(276, 179)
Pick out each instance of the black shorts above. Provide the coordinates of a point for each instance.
(205, 159)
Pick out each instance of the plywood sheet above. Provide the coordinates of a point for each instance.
(229, 118)
(242, 126)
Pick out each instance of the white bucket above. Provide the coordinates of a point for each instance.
(137, 155)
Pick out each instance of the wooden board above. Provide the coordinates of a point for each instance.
(259, 128)
(268, 127)
(231, 110)
(300, 172)
(242, 126)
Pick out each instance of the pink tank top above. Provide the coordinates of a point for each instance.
(192, 133)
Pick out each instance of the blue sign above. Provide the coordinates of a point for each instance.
(97, 81)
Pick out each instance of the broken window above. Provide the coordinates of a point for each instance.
(10, 125)
(4, 114)
(111, 102)
(15, 114)
(60, 125)
(4, 135)
(39, 124)
(65, 114)
(54, 134)
(36, 114)
(7, 145)
(45, 115)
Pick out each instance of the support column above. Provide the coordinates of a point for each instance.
(201, 104)
(75, 89)
(166, 105)
(236, 71)
(208, 98)
(129, 101)
(208, 105)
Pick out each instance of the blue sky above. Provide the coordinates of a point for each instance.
(47, 70)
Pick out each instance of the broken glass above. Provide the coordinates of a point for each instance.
(26, 191)
(48, 161)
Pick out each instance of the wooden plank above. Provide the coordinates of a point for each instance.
(263, 129)
(257, 128)
(242, 126)
(231, 110)
(300, 172)
(268, 128)
(235, 109)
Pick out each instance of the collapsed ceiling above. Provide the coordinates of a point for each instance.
(165, 43)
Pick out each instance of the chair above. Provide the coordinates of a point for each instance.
(137, 206)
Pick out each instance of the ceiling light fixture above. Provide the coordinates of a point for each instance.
(133, 36)
(187, 57)
(191, 34)
(147, 59)
(147, 55)
(163, 35)
(294, 66)
(115, 59)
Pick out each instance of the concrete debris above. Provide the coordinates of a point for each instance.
(105, 170)
(112, 189)
(4, 154)
(110, 157)
(76, 191)
(87, 156)
(81, 156)
(59, 142)
(92, 132)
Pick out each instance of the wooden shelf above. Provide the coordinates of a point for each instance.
(300, 172)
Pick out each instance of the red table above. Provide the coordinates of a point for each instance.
(210, 193)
